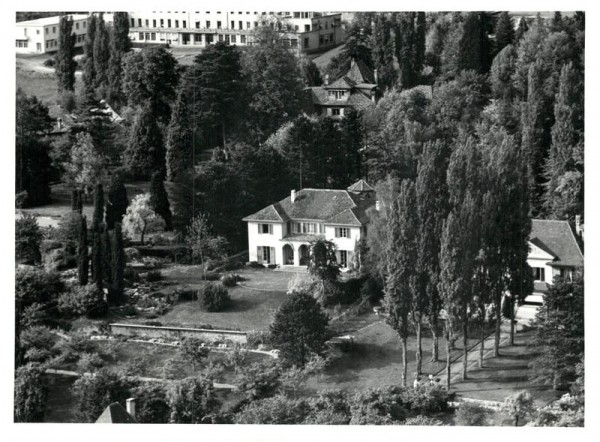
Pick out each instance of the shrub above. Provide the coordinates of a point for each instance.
(131, 275)
(470, 414)
(84, 301)
(371, 290)
(256, 337)
(212, 276)
(214, 298)
(301, 283)
(426, 399)
(28, 238)
(424, 421)
(68, 101)
(49, 62)
(255, 265)
(230, 280)
(89, 363)
(186, 294)
(154, 275)
(71, 350)
(36, 285)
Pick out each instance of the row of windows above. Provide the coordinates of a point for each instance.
(21, 43)
(197, 38)
(51, 44)
(539, 274)
(305, 227)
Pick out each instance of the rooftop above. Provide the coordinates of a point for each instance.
(556, 238)
(54, 20)
(115, 414)
(344, 207)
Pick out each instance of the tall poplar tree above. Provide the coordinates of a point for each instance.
(504, 32)
(180, 139)
(118, 263)
(432, 207)
(89, 69)
(83, 261)
(145, 152)
(159, 201)
(65, 64)
(474, 47)
(401, 272)
(116, 201)
(101, 53)
(119, 45)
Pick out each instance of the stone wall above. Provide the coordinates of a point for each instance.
(177, 333)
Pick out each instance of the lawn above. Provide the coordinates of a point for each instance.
(253, 302)
(60, 406)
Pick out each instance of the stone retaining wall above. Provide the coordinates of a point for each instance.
(178, 333)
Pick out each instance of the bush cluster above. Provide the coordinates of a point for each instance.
(154, 276)
(255, 338)
(214, 298)
(83, 301)
(230, 279)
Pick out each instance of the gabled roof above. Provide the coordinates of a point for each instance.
(115, 414)
(341, 83)
(556, 238)
(361, 186)
(360, 73)
(325, 205)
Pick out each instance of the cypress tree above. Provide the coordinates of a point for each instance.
(159, 201)
(145, 151)
(82, 254)
(65, 64)
(97, 256)
(116, 202)
(98, 204)
(74, 197)
(120, 36)
(382, 52)
(180, 139)
(405, 48)
(119, 45)
(101, 53)
(420, 35)
(521, 29)
(106, 257)
(504, 32)
(89, 70)
(118, 263)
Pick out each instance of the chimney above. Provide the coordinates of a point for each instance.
(377, 205)
(293, 196)
(59, 123)
(130, 407)
(352, 62)
(375, 76)
(578, 226)
(326, 79)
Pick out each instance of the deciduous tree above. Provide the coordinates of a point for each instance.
(140, 218)
(31, 394)
(204, 245)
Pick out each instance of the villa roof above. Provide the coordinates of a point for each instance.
(556, 238)
(361, 186)
(360, 73)
(341, 83)
(115, 414)
(342, 207)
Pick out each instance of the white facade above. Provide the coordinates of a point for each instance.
(41, 36)
(303, 31)
(291, 249)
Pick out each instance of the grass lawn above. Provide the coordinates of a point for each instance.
(252, 307)
(60, 406)
(322, 60)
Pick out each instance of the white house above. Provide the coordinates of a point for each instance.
(553, 251)
(280, 233)
(40, 36)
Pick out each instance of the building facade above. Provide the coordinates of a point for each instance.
(303, 31)
(553, 252)
(280, 234)
(41, 36)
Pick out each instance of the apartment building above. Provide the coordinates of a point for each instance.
(303, 31)
(41, 36)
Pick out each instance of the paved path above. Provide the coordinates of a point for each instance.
(217, 385)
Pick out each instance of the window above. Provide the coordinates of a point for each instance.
(256, 24)
(132, 23)
(343, 258)
(209, 39)
(220, 37)
(342, 232)
(76, 26)
(153, 36)
(243, 39)
(232, 24)
(184, 24)
(46, 31)
(266, 255)
(141, 36)
(176, 23)
(233, 39)
(240, 25)
(306, 45)
(539, 274)
(306, 28)
(321, 39)
(218, 25)
(227, 39)
(84, 24)
(296, 15)
(154, 23)
(139, 22)
(335, 111)
(208, 24)
(197, 25)
(38, 47)
(168, 23)
(147, 36)
(162, 22)
(147, 23)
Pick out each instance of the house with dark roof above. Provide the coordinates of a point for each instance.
(280, 233)
(553, 252)
(116, 414)
(357, 89)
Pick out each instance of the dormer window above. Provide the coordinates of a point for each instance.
(338, 95)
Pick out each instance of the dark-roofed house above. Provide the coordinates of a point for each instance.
(116, 414)
(357, 89)
(280, 233)
(553, 251)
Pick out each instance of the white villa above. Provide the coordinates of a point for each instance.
(553, 251)
(280, 233)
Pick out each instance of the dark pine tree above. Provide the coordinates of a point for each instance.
(82, 254)
(504, 32)
(89, 70)
(119, 45)
(98, 204)
(106, 257)
(159, 201)
(405, 39)
(474, 46)
(521, 29)
(65, 64)
(311, 73)
(116, 202)
(420, 34)
(145, 151)
(98, 255)
(351, 158)
(118, 262)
